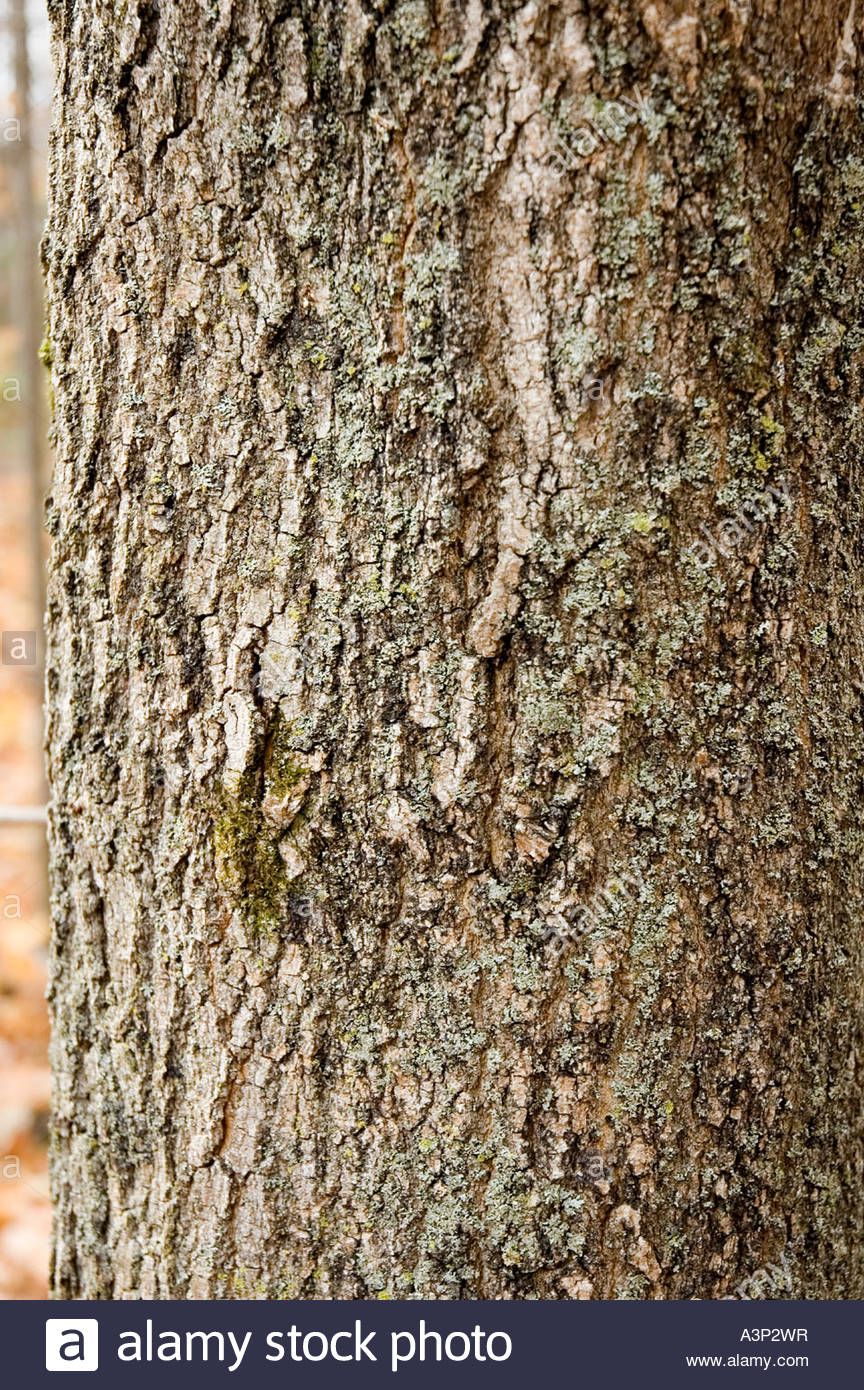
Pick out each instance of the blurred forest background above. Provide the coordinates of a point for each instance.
(25, 95)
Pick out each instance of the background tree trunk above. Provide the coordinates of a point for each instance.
(29, 309)
(421, 371)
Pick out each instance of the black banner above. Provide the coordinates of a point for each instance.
(499, 1345)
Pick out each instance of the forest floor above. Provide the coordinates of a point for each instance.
(24, 1076)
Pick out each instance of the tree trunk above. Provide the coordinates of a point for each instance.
(29, 309)
(457, 610)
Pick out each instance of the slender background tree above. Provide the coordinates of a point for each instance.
(456, 609)
(28, 290)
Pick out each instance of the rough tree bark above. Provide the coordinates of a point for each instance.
(456, 744)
